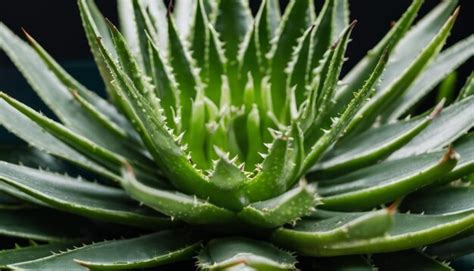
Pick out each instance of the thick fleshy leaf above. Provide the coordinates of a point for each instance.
(30, 157)
(295, 21)
(286, 208)
(147, 251)
(267, 21)
(199, 38)
(320, 233)
(34, 135)
(23, 254)
(244, 254)
(80, 197)
(97, 107)
(385, 182)
(95, 26)
(175, 204)
(408, 261)
(338, 128)
(400, 74)
(407, 231)
(452, 123)
(333, 19)
(87, 147)
(455, 199)
(445, 63)
(57, 95)
(355, 79)
(35, 224)
(369, 147)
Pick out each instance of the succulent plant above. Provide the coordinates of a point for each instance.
(235, 139)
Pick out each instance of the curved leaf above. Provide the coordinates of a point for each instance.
(384, 182)
(453, 122)
(23, 254)
(147, 251)
(407, 231)
(244, 254)
(283, 209)
(80, 197)
(446, 62)
(369, 147)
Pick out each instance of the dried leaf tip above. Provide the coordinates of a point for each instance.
(438, 108)
(450, 154)
(393, 208)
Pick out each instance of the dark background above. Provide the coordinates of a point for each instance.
(56, 25)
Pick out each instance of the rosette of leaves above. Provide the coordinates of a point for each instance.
(235, 139)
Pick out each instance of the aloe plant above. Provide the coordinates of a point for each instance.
(235, 139)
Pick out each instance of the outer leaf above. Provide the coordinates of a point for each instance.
(317, 234)
(399, 76)
(453, 122)
(23, 254)
(141, 252)
(445, 63)
(384, 182)
(244, 254)
(296, 19)
(266, 24)
(409, 261)
(57, 95)
(92, 103)
(367, 148)
(199, 38)
(408, 231)
(32, 133)
(455, 247)
(288, 207)
(356, 77)
(30, 157)
(36, 225)
(91, 150)
(80, 197)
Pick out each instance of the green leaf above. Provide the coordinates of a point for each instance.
(35, 224)
(296, 19)
(446, 62)
(267, 21)
(215, 68)
(175, 204)
(90, 149)
(244, 254)
(400, 74)
(455, 199)
(80, 197)
(199, 38)
(183, 15)
(32, 133)
(57, 95)
(96, 106)
(233, 22)
(23, 254)
(355, 79)
(186, 76)
(30, 157)
(367, 148)
(283, 209)
(385, 182)
(332, 21)
(95, 26)
(141, 252)
(338, 128)
(408, 260)
(452, 123)
(321, 233)
(407, 231)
